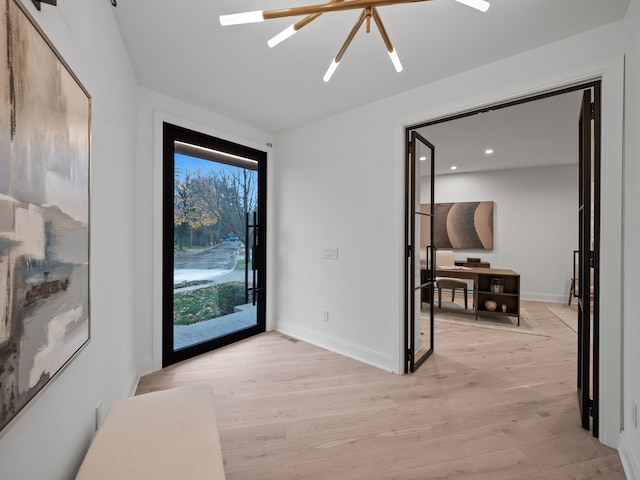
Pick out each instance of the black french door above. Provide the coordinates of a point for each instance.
(419, 267)
(214, 243)
(588, 257)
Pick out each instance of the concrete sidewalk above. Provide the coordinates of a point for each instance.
(231, 276)
(245, 316)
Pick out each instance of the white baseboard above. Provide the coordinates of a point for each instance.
(629, 461)
(333, 344)
(544, 297)
(132, 386)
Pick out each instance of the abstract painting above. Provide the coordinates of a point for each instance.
(44, 213)
(462, 225)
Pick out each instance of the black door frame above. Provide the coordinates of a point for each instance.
(589, 258)
(591, 406)
(171, 134)
(427, 279)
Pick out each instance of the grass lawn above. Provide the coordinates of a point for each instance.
(207, 303)
(195, 306)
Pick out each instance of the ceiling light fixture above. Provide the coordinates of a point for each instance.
(453, 167)
(369, 10)
(48, 2)
(488, 151)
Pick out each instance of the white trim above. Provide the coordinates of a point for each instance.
(132, 386)
(159, 117)
(611, 71)
(334, 344)
(628, 458)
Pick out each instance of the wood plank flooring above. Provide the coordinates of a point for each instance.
(488, 405)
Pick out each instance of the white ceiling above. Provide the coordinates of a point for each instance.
(178, 48)
(533, 134)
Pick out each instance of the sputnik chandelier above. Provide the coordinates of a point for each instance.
(369, 10)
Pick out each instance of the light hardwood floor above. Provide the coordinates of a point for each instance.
(488, 405)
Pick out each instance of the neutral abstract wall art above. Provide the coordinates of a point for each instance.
(462, 225)
(44, 212)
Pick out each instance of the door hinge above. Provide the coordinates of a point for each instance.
(409, 251)
(590, 407)
(409, 355)
(593, 110)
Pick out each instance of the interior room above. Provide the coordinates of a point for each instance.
(336, 188)
(532, 180)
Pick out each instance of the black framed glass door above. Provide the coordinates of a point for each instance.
(420, 269)
(588, 258)
(214, 239)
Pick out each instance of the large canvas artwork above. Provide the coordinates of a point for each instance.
(44, 213)
(462, 225)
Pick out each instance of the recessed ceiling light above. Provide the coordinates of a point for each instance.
(453, 167)
(488, 151)
(422, 159)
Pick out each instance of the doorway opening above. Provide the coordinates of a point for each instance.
(214, 243)
(587, 190)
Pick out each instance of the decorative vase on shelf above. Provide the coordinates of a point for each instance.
(490, 305)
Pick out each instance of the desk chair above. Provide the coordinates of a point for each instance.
(445, 258)
(452, 284)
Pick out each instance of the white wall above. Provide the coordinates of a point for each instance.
(535, 223)
(50, 439)
(631, 435)
(340, 183)
(345, 192)
(153, 109)
(335, 189)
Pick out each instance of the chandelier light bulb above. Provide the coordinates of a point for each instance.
(330, 70)
(481, 5)
(282, 36)
(396, 61)
(240, 18)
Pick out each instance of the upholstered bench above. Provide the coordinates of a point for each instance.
(169, 434)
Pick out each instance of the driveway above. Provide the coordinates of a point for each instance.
(214, 264)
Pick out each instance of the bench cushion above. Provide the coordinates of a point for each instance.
(169, 434)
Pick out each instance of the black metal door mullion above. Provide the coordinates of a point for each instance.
(252, 231)
(255, 260)
(596, 260)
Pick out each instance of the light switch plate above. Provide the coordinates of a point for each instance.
(330, 253)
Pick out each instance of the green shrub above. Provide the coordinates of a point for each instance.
(229, 295)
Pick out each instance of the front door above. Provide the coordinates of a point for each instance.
(213, 243)
(420, 269)
(588, 257)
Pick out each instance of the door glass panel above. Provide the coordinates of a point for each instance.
(211, 292)
(420, 321)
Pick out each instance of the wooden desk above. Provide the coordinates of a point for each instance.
(463, 263)
(510, 296)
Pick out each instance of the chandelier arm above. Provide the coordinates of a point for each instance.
(331, 7)
(305, 21)
(387, 41)
(310, 18)
(352, 34)
(383, 31)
